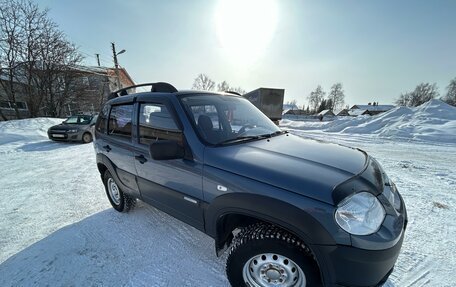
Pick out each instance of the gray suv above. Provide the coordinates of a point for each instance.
(74, 128)
(293, 211)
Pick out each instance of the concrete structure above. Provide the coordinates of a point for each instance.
(267, 100)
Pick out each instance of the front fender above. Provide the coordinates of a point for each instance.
(288, 216)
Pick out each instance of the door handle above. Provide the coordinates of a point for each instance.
(107, 148)
(141, 159)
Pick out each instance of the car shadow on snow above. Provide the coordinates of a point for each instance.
(142, 248)
(45, 146)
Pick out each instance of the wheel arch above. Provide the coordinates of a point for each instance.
(231, 211)
(103, 164)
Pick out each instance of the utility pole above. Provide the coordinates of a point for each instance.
(98, 59)
(116, 64)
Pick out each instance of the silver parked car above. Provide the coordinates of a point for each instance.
(74, 128)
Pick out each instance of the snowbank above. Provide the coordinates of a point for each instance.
(433, 121)
(32, 130)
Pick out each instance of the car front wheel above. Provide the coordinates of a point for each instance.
(264, 255)
(119, 200)
(87, 138)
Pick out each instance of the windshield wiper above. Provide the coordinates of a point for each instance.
(241, 139)
(274, 134)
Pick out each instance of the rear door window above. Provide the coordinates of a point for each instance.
(119, 123)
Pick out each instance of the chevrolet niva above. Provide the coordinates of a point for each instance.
(293, 211)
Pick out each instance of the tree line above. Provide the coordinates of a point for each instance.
(319, 102)
(35, 59)
(425, 92)
(203, 83)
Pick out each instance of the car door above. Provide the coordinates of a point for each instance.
(115, 142)
(175, 186)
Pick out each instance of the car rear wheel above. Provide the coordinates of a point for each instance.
(87, 138)
(119, 200)
(264, 255)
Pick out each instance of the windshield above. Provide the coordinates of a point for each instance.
(223, 119)
(78, 120)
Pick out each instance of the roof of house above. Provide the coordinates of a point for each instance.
(378, 108)
(326, 113)
(341, 112)
(290, 107)
(356, 112)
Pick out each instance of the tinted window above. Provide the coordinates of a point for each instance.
(119, 123)
(156, 123)
(21, 105)
(5, 104)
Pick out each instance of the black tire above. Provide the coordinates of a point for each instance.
(87, 137)
(261, 238)
(122, 202)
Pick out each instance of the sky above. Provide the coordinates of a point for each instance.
(376, 49)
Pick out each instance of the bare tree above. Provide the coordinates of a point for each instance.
(450, 97)
(404, 99)
(38, 59)
(223, 86)
(423, 92)
(315, 98)
(337, 96)
(203, 83)
(10, 47)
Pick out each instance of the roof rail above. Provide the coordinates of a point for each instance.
(233, 92)
(159, 87)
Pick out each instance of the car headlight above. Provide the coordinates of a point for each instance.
(72, 131)
(360, 214)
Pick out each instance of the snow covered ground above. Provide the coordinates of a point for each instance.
(57, 227)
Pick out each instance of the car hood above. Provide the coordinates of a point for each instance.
(304, 166)
(67, 127)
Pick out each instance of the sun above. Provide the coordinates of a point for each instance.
(245, 28)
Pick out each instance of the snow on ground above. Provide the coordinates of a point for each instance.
(57, 227)
(434, 121)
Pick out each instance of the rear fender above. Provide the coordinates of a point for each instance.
(106, 163)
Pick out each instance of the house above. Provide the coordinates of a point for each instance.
(357, 112)
(373, 109)
(326, 113)
(97, 83)
(7, 110)
(83, 90)
(297, 112)
(343, 112)
(289, 107)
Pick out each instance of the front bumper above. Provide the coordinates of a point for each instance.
(350, 266)
(64, 136)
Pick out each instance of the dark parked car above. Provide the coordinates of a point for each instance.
(74, 128)
(294, 211)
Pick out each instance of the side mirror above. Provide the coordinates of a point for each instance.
(166, 149)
